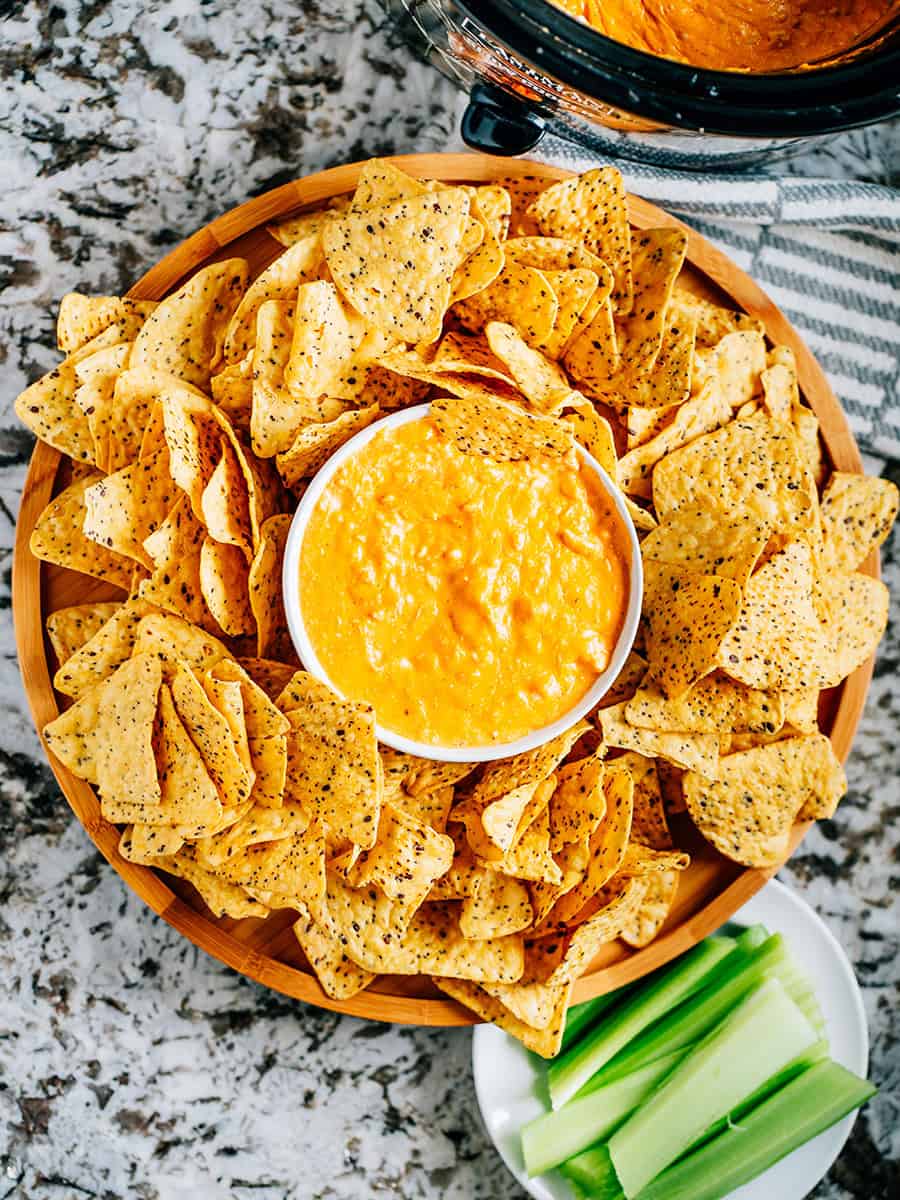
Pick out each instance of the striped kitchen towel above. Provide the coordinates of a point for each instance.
(827, 252)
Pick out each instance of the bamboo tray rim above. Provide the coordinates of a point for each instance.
(29, 587)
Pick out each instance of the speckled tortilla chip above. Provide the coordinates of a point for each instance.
(691, 751)
(499, 430)
(395, 264)
(520, 296)
(315, 443)
(499, 906)
(106, 650)
(778, 642)
(326, 337)
(300, 688)
(648, 822)
(713, 321)
(223, 583)
(294, 229)
(70, 628)
(567, 954)
(644, 926)
(381, 183)
(747, 813)
(432, 944)
(639, 467)
(123, 509)
(405, 860)
(554, 254)
(665, 384)
(261, 715)
(716, 704)
(58, 537)
(708, 542)
(222, 898)
(168, 636)
(146, 843)
(267, 674)
(591, 356)
(689, 617)
(534, 1004)
(545, 1042)
(339, 975)
(594, 433)
(485, 261)
(211, 733)
(752, 467)
(232, 391)
(264, 583)
(529, 857)
(279, 281)
(468, 381)
(175, 582)
(95, 395)
(135, 414)
(184, 335)
(578, 804)
(657, 258)
(855, 613)
(194, 436)
(541, 382)
(333, 767)
(627, 681)
(574, 290)
(431, 808)
(592, 209)
(130, 786)
(293, 866)
(607, 845)
(857, 514)
(81, 318)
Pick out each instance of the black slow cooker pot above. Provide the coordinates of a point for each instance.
(529, 68)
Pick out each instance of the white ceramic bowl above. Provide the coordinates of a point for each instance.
(292, 588)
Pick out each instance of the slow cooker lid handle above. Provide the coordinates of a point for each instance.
(498, 122)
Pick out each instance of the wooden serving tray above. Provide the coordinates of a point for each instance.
(711, 890)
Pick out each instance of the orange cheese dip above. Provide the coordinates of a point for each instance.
(739, 35)
(469, 601)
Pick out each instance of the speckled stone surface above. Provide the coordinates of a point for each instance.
(133, 1067)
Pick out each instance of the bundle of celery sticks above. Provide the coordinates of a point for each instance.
(694, 1080)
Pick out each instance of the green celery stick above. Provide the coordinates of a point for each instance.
(755, 1040)
(567, 1073)
(579, 1017)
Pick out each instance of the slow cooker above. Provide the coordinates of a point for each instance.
(530, 68)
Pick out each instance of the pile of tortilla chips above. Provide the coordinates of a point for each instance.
(533, 317)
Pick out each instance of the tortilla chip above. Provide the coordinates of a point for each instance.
(81, 318)
(708, 542)
(170, 637)
(184, 334)
(401, 281)
(232, 391)
(574, 291)
(210, 732)
(714, 705)
(566, 955)
(541, 381)
(752, 467)
(553, 254)
(273, 639)
(659, 896)
(432, 944)
(146, 843)
(657, 258)
(591, 356)
(70, 628)
(591, 209)
(713, 321)
(301, 226)
(125, 740)
(520, 296)
(529, 857)
(315, 443)
(267, 674)
(499, 906)
(279, 281)
(49, 410)
(339, 975)
(627, 681)
(690, 616)
(692, 751)
(857, 514)
(261, 716)
(546, 1041)
(223, 899)
(123, 509)
(431, 808)
(223, 583)
(639, 467)
(485, 261)
(855, 612)
(225, 503)
(665, 384)
(333, 767)
(405, 860)
(595, 434)
(175, 549)
(407, 774)
(578, 804)
(499, 430)
(58, 538)
(648, 823)
(748, 812)
(326, 336)
(254, 826)
(104, 651)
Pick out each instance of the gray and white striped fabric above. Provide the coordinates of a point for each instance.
(828, 253)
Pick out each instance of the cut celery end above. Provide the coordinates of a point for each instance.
(581, 1016)
(755, 1040)
(697, 1015)
(666, 988)
(809, 1104)
(752, 938)
(553, 1137)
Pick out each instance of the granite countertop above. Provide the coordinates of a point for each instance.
(132, 1065)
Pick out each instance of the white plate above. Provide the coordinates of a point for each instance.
(506, 1077)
